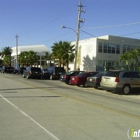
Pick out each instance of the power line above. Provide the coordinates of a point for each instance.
(87, 33)
(52, 19)
(111, 26)
(130, 34)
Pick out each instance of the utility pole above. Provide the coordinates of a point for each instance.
(16, 51)
(78, 33)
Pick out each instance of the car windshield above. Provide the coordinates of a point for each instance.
(112, 73)
(100, 74)
(44, 70)
(82, 74)
(70, 72)
(35, 69)
(60, 69)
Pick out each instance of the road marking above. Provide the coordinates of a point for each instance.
(23, 113)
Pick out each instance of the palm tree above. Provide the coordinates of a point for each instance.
(57, 51)
(47, 56)
(135, 54)
(6, 51)
(68, 53)
(64, 51)
(127, 56)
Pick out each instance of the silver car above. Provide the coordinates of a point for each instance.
(123, 81)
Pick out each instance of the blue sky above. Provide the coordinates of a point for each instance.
(38, 22)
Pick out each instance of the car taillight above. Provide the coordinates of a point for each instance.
(65, 76)
(95, 80)
(41, 73)
(117, 79)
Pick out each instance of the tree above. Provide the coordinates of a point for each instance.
(57, 51)
(68, 53)
(7, 60)
(64, 51)
(127, 56)
(28, 58)
(6, 51)
(6, 54)
(47, 56)
(134, 56)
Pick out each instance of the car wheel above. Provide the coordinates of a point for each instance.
(84, 85)
(108, 90)
(51, 77)
(27, 76)
(67, 82)
(23, 76)
(126, 89)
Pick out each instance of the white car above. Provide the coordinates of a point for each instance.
(123, 81)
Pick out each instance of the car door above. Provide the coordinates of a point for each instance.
(135, 77)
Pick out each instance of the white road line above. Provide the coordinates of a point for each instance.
(23, 113)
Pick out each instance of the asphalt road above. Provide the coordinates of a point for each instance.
(51, 110)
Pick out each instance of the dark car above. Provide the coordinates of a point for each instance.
(7, 69)
(16, 71)
(1, 68)
(95, 80)
(45, 74)
(32, 72)
(55, 72)
(66, 77)
(21, 70)
(81, 78)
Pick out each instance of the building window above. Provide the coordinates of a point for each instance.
(105, 48)
(112, 48)
(99, 62)
(118, 49)
(124, 49)
(109, 48)
(100, 47)
(131, 48)
(128, 48)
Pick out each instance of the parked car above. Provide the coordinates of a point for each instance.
(32, 72)
(123, 81)
(55, 72)
(1, 68)
(81, 78)
(16, 71)
(45, 74)
(95, 80)
(7, 69)
(66, 77)
(21, 70)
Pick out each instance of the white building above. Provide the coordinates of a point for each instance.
(39, 49)
(94, 54)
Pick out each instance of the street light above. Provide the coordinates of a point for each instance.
(68, 28)
(17, 51)
(76, 45)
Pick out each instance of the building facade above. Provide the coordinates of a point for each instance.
(96, 54)
(39, 49)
